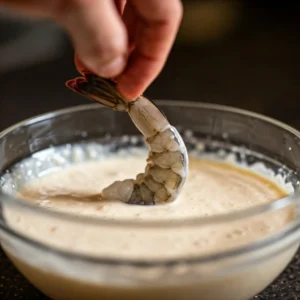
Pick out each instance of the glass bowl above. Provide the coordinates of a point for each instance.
(142, 270)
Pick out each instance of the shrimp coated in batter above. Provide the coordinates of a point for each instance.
(167, 163)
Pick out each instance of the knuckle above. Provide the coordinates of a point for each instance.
(173, 14)
(109, 50)
(106, 50)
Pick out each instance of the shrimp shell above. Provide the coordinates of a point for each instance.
(167, 163)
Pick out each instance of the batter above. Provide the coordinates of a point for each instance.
(212, 188)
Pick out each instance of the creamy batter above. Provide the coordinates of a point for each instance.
(212, 188)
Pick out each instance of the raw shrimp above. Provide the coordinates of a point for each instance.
(167, 163)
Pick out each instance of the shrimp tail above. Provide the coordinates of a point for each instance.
(167, 164)
(99, 90)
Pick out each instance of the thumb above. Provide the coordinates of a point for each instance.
(99, 36)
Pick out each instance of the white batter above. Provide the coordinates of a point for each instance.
(212, 188)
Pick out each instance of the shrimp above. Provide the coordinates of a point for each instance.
(167, 163)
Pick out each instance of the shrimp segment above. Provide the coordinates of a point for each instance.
(167, 163)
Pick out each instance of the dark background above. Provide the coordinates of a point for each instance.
(239, 53)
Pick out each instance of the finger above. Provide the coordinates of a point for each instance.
(82, 69)
(132, 25)
(98, 34)
(159, 22)
(120, 5)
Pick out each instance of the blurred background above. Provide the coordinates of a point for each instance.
(239, 53)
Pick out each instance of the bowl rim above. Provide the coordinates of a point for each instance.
(281, 203)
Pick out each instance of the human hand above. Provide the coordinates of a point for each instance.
(128, 40)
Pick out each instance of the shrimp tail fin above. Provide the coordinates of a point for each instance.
(99, 90)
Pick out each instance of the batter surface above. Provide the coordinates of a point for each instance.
(212, 188)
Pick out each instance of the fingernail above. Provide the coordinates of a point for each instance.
(113, 68)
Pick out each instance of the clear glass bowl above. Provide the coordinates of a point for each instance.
(237, 272)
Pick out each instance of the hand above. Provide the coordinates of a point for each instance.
(125, 39)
